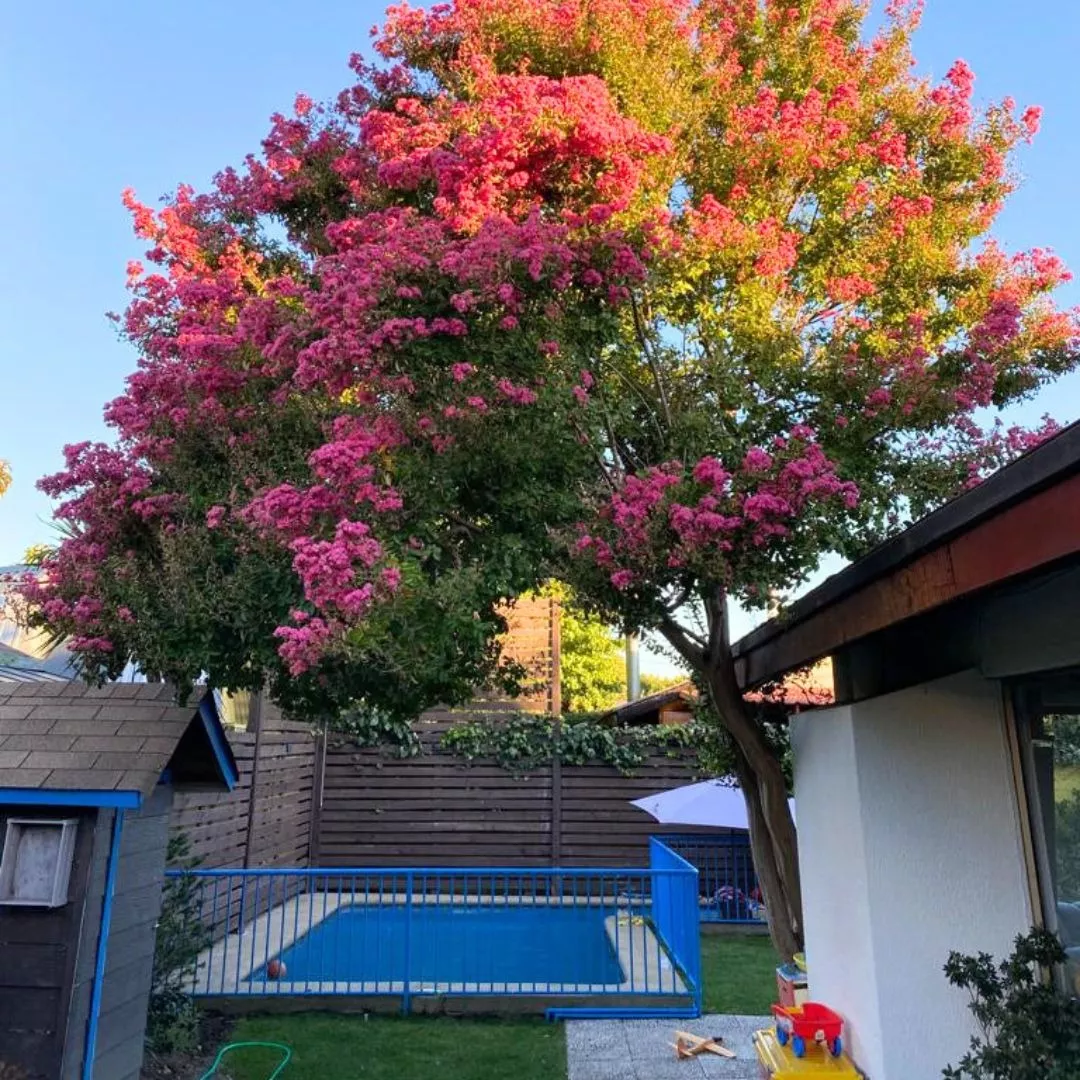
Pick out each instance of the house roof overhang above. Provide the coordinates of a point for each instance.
(1024, 518)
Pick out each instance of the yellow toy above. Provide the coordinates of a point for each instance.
(780, 1063)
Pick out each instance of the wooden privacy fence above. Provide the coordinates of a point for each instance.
(266, 819)
(308, 802)
(438, 810)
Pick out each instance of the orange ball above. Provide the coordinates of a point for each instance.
(275, 969)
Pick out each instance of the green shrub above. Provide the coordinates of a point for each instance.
(1030, 1031)
(172, 1020)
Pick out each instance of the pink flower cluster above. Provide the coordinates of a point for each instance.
(452, 224)
(715, 516)
(498, 152)
(236, 347)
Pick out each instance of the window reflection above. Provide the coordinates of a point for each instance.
(1056, 745)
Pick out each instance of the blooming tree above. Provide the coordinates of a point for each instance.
(665, 298)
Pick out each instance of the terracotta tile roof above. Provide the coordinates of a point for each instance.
(811, 688)
(69, 735)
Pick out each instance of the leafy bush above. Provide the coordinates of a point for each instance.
(368, 725)
(172, 1019)
(1030, 1031)
(526, 741)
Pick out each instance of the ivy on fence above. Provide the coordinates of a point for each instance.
(525, 742)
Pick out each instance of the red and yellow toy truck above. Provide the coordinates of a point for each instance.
(810, 1022)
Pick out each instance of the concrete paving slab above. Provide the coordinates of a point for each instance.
(639, 1050)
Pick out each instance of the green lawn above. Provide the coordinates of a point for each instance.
(738, 973)
(329, 1047)
(1066, 781)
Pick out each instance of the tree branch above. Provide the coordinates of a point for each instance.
(716, 618)
(646, 348)
(680, 640)
(596, 454)
(616, 449)
(673, 605)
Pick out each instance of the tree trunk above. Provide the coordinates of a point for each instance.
(772, 830)
(785, 916)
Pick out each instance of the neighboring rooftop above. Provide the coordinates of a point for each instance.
(118, 739)
(17, 666)
(643, 709)
(807, 689)
(47, 657)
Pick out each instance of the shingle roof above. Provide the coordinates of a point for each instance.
(67, 736)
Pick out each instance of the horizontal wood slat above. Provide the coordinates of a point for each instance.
(354, 807)
(228, 830)
(438, 810)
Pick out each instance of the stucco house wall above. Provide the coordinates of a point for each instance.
(910, 846)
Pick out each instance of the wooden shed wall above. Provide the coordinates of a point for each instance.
(130, 952)
(86, 948)
(38, 953)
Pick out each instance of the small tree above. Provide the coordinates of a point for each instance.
(172, 1018)
(1067, 848)
(1066, 733)
(663, 298)
(593, 663)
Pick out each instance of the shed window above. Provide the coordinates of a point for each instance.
(36, 862)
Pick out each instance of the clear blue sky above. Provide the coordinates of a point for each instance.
(149, 93)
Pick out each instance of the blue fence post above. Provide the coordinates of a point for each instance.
(406, 997)
(691, 921)
(675, 913)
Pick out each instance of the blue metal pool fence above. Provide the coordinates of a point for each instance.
(728, 890)
(579, 942)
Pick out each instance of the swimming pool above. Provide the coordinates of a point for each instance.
(555, 945)
(566, 940)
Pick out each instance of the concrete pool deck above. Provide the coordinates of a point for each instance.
(639, 1050)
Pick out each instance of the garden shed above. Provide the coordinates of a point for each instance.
(87, 776)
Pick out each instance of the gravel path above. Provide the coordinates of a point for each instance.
(639, 1050)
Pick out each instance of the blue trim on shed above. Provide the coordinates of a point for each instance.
(103, 948)
(216, 734)
(115, 800)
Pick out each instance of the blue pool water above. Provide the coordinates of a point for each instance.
(452, 943)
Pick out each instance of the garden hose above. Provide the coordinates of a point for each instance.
(287, 1051)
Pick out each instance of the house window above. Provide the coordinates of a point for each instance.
(1049, 717)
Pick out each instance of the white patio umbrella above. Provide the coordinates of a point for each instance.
(718, 803)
